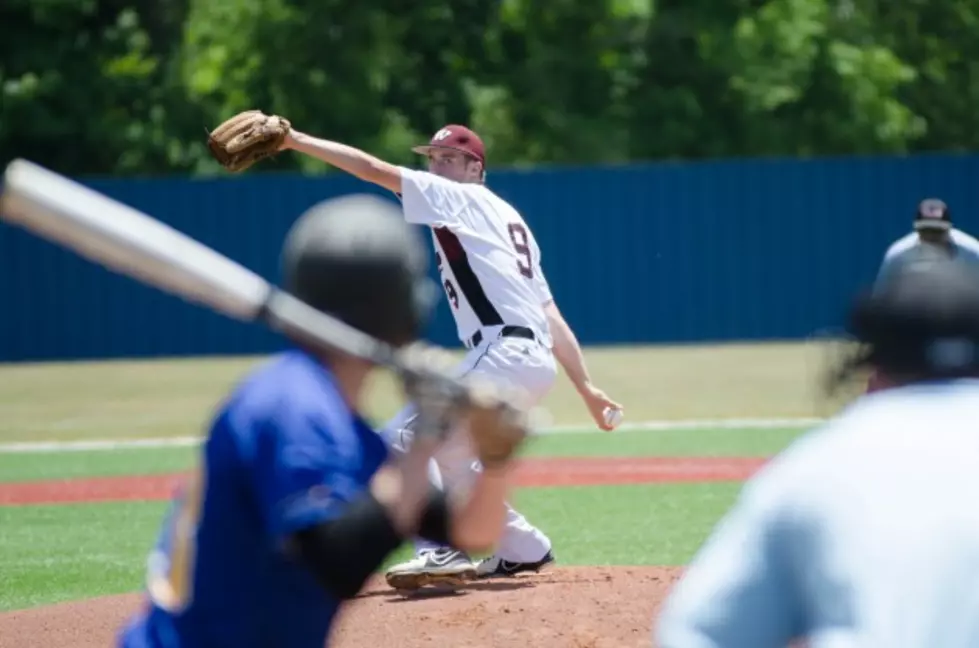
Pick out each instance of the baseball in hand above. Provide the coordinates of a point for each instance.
(613, 417)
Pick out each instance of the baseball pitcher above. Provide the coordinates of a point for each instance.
(490, 267)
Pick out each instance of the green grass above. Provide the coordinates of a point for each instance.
(631, 443)
(96, 463)
(60, 553)
(654, 524)
(125, 399)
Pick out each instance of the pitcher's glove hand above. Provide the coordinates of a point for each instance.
(498, 425)
(246, 138)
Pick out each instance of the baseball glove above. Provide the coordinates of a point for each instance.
(438, 397)
(246, 138)
(497, 425)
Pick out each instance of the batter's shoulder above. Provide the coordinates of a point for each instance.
(287, 382)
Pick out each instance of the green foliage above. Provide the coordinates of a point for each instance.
(116, 87)
(84, 86)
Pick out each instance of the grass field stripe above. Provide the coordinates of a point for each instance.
(642, 426)
(692, 424)
(98, 444)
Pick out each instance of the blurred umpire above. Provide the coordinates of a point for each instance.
(865, 532)
(932, 225)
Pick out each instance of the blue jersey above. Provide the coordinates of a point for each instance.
(284, 452)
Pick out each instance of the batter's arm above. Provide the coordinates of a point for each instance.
(347, 158)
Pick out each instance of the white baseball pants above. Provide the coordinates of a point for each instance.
(520, 361)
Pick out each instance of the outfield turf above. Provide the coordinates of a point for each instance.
(57, 553)
(60, 553)
(176, 398)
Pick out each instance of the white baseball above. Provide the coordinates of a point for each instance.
(613, 416)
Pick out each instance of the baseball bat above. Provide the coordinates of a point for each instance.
(130, 242)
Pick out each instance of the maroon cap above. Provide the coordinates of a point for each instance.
(458, 138)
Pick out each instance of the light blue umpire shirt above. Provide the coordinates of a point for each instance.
(898, 252)
(864, 532)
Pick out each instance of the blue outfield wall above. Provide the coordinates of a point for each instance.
(713, 251)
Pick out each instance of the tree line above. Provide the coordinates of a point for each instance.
(128, 88)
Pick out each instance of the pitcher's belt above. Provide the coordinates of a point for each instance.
(506, 331)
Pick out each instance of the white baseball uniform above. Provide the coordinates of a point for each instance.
(489, 264)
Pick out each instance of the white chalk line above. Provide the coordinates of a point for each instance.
(639, 426)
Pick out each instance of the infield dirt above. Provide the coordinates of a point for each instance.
(579, 607)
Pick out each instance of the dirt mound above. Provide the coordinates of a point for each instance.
(574, 607)
(81, 624)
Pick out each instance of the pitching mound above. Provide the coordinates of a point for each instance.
(575, 607)
(579, 607)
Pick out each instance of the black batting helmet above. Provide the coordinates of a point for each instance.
(357, 259)
(923, 322)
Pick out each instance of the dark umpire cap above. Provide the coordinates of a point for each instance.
(932, 214)
(456, 138)
(924, 321)
(356, 258)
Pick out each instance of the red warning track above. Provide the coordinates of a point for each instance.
(532, 473)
